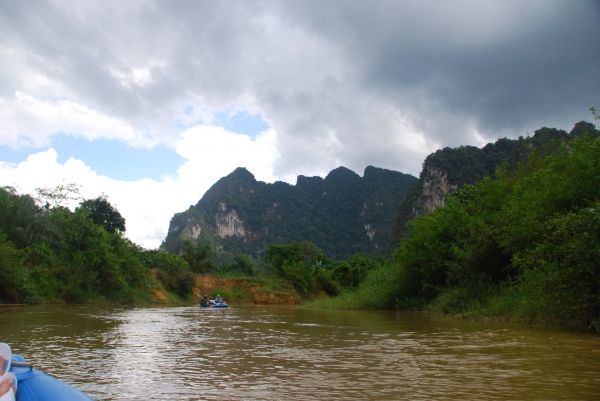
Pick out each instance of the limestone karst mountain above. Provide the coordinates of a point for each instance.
(342, 214)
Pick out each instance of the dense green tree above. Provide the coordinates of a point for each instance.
(22, 220)
(13, 285)
(297, 262)
(467, 164)
(351, 272)
(173, 271)
(535, 226)
(561, 273)
(197, 255)
(245, 264)
(92, 267)
(51, 253)
(104, 214)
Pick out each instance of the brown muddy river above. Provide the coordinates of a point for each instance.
(287, 353)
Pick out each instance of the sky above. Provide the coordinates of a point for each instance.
(151, 102)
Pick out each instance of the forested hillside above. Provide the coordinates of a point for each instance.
(342, 214)
(529, 238)
(449, 169)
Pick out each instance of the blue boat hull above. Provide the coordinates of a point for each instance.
(217, 306)
(35, 385)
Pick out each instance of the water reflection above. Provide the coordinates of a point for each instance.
(293, 353)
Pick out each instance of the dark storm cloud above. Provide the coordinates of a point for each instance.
(501, 66)
(343, 83)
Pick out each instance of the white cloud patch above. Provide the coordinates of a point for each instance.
(140, 76)
(212, 152)
(32, 121)
(148, 205)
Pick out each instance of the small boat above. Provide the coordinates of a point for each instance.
(215, 306)
(35, 385)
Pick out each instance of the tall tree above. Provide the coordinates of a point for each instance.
(104, 214)
(22, 220)
(59, 195)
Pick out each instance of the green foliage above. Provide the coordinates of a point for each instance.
(296, 262)
(245, 264)
(172, 271)
(22, 220)
(453, 245)
(376, 291)
(99, 262)
(53, 254)
(351, 272)
(561, 274)
(535, 226)
(196, 255)
(326, 280)
(13, 286)
(470, 295)
(467, 164)
(559, 183)
(104, 214)
(241, 266)
(299, 273)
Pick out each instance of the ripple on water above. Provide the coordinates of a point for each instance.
(294, 353)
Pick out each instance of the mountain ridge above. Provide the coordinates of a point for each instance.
(342, 213)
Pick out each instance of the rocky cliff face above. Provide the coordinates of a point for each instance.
(435, 190)
(228, 223)
(425, 195)
(342, 214)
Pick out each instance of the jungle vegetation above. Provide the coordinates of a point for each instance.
(521, 243)
(524, 243)
(49, 253)
(466, 165)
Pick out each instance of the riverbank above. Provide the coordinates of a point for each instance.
(500, 307)
(247, 291)
(236, 291)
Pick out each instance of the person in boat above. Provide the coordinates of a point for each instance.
(205, 301)
(218, 299)
(8, 385)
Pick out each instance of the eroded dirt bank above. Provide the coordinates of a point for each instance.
(251, 293)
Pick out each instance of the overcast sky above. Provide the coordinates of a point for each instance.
(151, 102)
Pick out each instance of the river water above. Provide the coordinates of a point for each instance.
(291, 353)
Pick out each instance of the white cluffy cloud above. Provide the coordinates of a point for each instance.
(46, 118)
(148, 205)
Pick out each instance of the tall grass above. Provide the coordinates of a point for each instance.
(375, 292)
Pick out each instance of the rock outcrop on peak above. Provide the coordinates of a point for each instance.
(342, 213)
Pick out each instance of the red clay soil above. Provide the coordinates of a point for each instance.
(207, 284)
